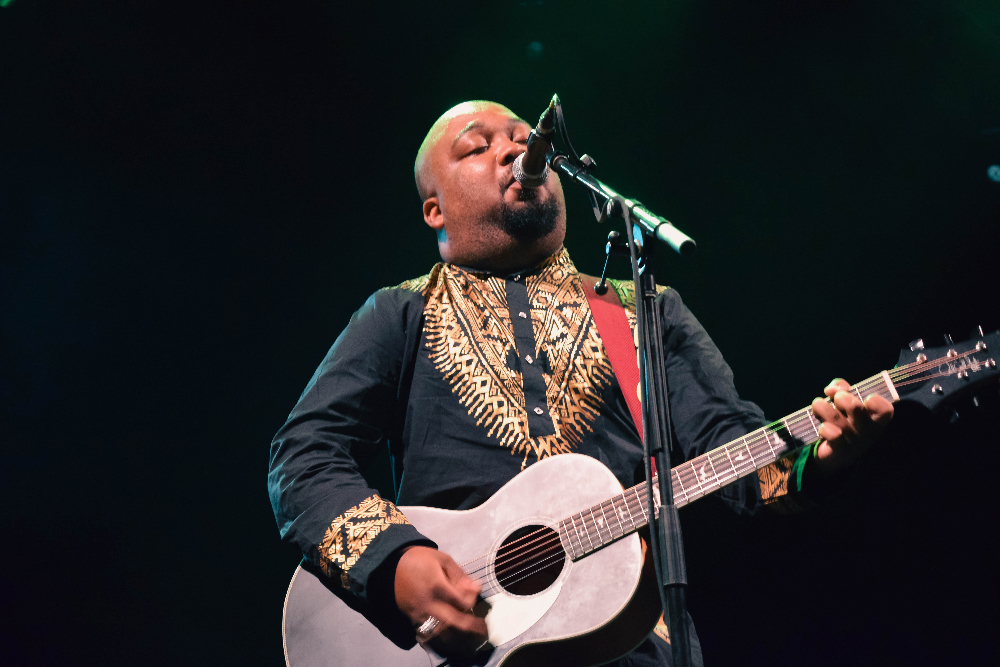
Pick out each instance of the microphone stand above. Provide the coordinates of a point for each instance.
(642, 229)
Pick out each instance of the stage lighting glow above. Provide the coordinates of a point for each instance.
(994, 172)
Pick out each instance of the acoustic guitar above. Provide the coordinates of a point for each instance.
(563, 573)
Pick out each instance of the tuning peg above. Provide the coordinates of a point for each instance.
(954, 416)
(977, 332)
(948, 340)
(918, 344)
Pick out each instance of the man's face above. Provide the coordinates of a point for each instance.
(471, 193)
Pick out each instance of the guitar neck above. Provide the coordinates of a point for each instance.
(621, 515)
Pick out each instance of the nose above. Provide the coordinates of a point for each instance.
(508, 151)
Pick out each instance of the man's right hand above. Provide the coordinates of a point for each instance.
(429, 583)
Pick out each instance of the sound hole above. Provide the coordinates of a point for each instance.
(529, 560)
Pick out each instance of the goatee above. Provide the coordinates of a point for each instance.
(527, 223)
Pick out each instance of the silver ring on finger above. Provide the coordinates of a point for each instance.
(427, 627)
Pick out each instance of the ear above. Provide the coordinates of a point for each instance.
(432, 214)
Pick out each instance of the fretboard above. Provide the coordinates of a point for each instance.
(597, 526)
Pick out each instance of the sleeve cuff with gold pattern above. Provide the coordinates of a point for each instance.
(360, 539)
(786, 486)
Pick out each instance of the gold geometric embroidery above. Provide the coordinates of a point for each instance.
(626, 294)
(774, 487)
(469, 334)
(774, 479)
(415, 284)
(661, 629)
(625, 289)
(351, 533)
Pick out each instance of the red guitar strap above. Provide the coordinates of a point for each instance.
(613, 327)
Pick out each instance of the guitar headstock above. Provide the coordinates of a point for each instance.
(934, 376)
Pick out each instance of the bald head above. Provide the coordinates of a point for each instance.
(481, 215)
(422, 166)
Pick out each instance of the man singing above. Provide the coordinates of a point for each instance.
(485, 366)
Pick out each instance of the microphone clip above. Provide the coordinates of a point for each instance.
(616, 245)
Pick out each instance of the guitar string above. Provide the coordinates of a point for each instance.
(915, 368)
(752, 443)
(789, 422)
(534, 568)
(594, 526)
(529, 567)
(505, 573)
(925, 378)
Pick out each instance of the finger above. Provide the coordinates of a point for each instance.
(858, 419)
(826, 412)
(879, 409)
(829, 431)
(836, 384)
(466, 588)
(456, 632)
(848, 403)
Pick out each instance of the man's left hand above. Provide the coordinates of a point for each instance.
(849, 426)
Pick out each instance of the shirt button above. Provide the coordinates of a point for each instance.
(538, 411)
(522, 314)
(528, 358)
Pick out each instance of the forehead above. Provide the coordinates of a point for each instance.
(487, 119)
(465, 117)
(446, 130)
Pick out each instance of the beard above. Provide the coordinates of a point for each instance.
(528, 223)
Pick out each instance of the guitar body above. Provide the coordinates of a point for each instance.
(596, 609)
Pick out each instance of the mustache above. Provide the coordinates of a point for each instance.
(525, 194)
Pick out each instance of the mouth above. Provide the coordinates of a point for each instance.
(521, 193)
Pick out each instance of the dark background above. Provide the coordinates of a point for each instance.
(195, 196)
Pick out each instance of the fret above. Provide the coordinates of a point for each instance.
(784, 445)
(767, 439)
(802, 427)
(722, 474)
(586, 531)
(597, 527)
(571, 529)
(731, 464)
(703, 475)
(627, 509)
(590, 529)
(675, 473)
(642, 505)
(582, 548)
(611, 534)
(690, 467)
(725, 459)
(715, 474)
(564, 533)
(728, 475)
(747, 446)
(808, 427)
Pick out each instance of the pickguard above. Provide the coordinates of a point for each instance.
(510, 615)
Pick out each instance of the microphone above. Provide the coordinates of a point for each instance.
(530, 168)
